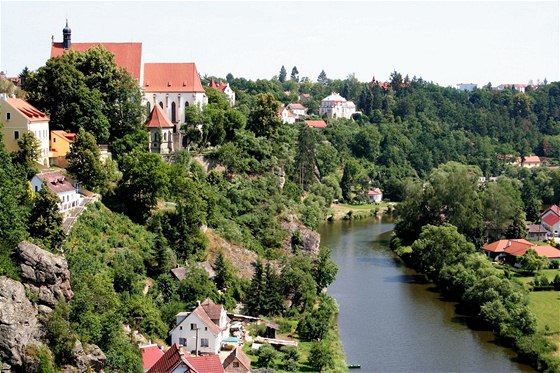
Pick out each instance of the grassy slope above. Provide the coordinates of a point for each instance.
(546, 307)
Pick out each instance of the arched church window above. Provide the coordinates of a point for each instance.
(161, 104)
(173, 112)
(149, 107)
(186, 106)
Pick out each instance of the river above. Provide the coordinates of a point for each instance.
(390, 321)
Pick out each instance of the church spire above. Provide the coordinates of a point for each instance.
(66, 36)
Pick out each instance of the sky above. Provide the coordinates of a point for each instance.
(446, 42)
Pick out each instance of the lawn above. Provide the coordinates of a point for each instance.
(546, 307)
(525, 278)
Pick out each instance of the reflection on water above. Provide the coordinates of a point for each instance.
(391, 320)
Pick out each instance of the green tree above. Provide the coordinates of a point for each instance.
(305, 160)
(28, 155)
(45, 221)
(224, 271)
(60, 334)
(266, 355)
(320, 356)
(532, 262)
(255, 296)
(84, 162)
(282, 75)
(196, 286)
(290, 358)
(264, 120)
(295, 74)
(322, 78)
(325, 269)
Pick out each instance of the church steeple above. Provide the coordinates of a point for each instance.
(67, 36)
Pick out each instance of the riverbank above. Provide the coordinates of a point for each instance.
(341, 211)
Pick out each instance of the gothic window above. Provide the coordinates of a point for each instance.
(173, 112)
(149, 107)
(161, 104)
(186, 106)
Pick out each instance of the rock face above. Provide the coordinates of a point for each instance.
(44, 273)
(310, 240)
(19, 326)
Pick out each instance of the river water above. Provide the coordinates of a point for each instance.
(390, 321)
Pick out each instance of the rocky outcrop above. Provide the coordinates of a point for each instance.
(309, 240)
(44, 273)
(19, 325)
(88, 357)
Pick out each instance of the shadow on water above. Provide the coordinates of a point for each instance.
(406, 279)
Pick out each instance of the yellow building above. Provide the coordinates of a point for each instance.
(60, 146)
(19, 117)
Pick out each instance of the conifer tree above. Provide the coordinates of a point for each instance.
(282, 75)
(45, 221)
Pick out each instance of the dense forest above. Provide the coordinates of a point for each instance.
(425, 145)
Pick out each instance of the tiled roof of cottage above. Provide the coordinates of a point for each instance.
(158, 118)
(29, 111)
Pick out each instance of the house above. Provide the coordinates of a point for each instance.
(206, 364)
(174, 87)
(536, 232)
(19, 117)
(529, 161)
(67, 191)
(336, 106)
(203, 329)
(237, 362)
(161, 132)
(304, 97)
(469, 87)
(550, 220)
(59, 147)
(375, 195)
(225, 89)
(150, 355)
(179, 273)
(286, 115)
(547, 251)
(316, 123)
(298, 110)
(511, 249)
(518, 87)
(174, 360)
(127, 55)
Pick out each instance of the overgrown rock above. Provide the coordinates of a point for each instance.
(309, 240)
(44, 273)
(19, 326)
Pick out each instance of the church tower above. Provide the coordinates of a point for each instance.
(67, 36)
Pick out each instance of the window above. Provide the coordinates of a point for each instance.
(193, 326)
(236, 364)
(173, 112)
(161, 104)
(180, 328)
(16, 134)
(54, 139)
(8, 116)
(205, 328)
(183, 341)
(36, 188)
(203, 342)
(186, 106)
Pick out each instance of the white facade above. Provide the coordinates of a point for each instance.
(336, 106)
(469, 87)
(66, 192)
(175, 103)
(230, 94)
(286, 116)
(298, 110)
(163, 145)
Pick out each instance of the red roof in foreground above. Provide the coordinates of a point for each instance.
(238, 354)
(29, 111)
(171, 77)
(206, 364)
(316, 123)
(546, 250)
(150, 355)
(171, 360)
(127, 55)
(158, 118)
(501, 245)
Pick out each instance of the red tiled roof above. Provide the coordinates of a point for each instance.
(288, 112)
(213, 310)
(316, 123)
(29, 111)
(532, 159)
(171, 360)
(221, 86)
(501, 245)
(171, 77)
(150, 355)
(555, 209)
(375, 191)
(67, 135)
(56, 181)
(238, 354)
(203, 316)
(127, 55)
(206, 364)
(551, 219)
(296, 107)
(158, 118)
(546, 250)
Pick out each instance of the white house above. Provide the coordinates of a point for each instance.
(517, 87)
(298, 110)
(469, 87)
(550, 220)
(67, 192)
(336, 106)
(161, 132)
(203, 329)
(19, 117)
(173, 86)
(286, 115)
(375, 195)
(529, 161)
(225, 89)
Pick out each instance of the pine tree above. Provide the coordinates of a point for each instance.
(224, 272)
(162, 253)
(282, 75)
(322, 78)
(255, 297)
(305, 161)
(272, 294)
(45, 221)
(294, 75)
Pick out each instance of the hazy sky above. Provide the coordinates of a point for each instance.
(447, 42)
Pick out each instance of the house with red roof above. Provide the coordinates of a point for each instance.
(316, 123)
(174, 360)
(550, 220)
(19, 117)
(286, 115)
(375, 195)
(529, 161)
(127, 55)
(68, 191)
(514, 248)
(174, 87)
(237, 362)
(225, 89)
(161, 132)
(202, 330)
(336, 106)
(518, 87)
(298, 110)
(150, 355)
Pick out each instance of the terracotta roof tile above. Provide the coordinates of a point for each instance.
(171, 360)
(171, 77)
(206, 364)
(296, 107)
(158, 118)
(213, 310)
(127, 55)
(238, 354)
(546, 250)
(375, 191)
(150, 355)
(29, 111)
(501, 245)
(56, 181)
(316, 123)
(203, 316)
(551, 219)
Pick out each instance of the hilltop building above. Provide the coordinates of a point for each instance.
(18, 117)
(161, 132)
(225, 89)
(336, 106)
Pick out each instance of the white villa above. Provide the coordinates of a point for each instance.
(67, 192)
(203, 329)
(225, 89)
(336, 106)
